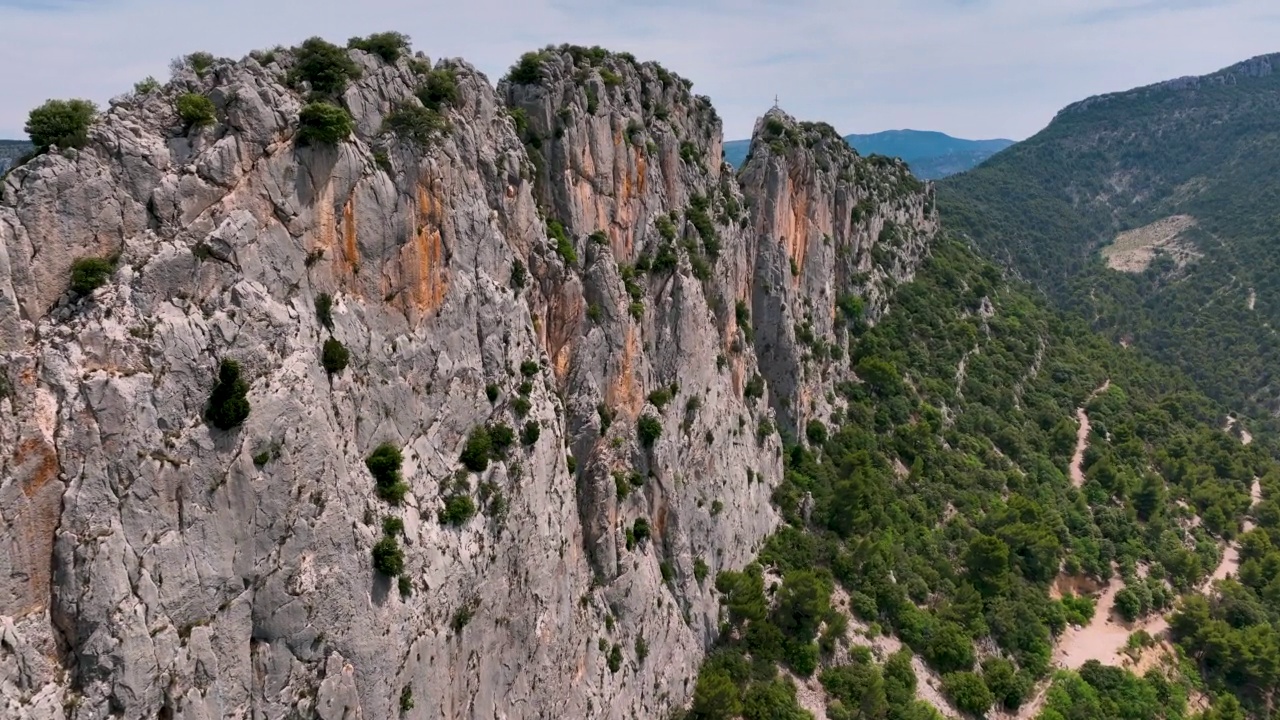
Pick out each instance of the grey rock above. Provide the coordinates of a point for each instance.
(157, 566)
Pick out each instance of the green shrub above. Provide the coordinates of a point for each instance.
(321, 123)
(518, 275)
(475, 454)
(700, 569)
(406, 699)
(528, 70)
(405, 585)
(383, 161)
(594, 313)
(334, 356)
(522, 406)
(968, 692)
(200, 62)
(60, 123)
(610, 78)
(564, 246)
(500, 438)
(228, 404)
(89, 274)
(325, 66)
(530, 434)
(660, 397)
(461, 617)
(324, 309)
(146, 86)
(649, 429)
(458, 509)
(384, 464)
(387, 45)
(615, 658)
(416, 124)
(754, 387)
(491, 391)
(743, 316)
(640, 530)
(262, 458)
(388, 558)
(529, 368)
(440, 89)
(816, 431)
(392, 526)
(196, 110)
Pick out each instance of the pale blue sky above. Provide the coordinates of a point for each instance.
(973, 68)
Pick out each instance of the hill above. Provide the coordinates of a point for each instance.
(930, 155)
(1153, 213)
(11, 151)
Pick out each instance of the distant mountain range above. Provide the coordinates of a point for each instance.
(931, 155)
(10, 151)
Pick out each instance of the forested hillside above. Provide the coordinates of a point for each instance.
(934, 534)
(1153, 214)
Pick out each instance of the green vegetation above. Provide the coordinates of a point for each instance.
(384, 464)
(1048, 204)
(530, 433)
(458, 509)
(962, 547)
(146, 86)
(60, 123)
(324, 310)
(321, 123)
(388, 558)
(334, 356)
(406, 700)
(89, 274)
(478, 450)
(416, 124)
(325, 66)
(439, 90)
(528, 70)
(564, 246)
(200, 62)
(389, 46)
(648, 429)
(228, 403)
(196, 110)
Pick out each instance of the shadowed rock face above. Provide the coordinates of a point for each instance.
(157, 567)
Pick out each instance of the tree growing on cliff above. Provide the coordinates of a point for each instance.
(321, 123)
(89, 274)
(228, 404)
(61, 123)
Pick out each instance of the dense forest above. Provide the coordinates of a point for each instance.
(1207, 148)
(936, 510)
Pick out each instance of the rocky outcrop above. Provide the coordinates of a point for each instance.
(567, 257)
(835, 233)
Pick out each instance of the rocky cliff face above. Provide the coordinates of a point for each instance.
(156, 566)
(834, 234)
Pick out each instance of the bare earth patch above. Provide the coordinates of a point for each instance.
(1133, 250)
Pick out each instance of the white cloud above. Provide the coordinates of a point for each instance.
(976, 68)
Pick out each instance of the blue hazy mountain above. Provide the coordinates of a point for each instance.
(931, 155)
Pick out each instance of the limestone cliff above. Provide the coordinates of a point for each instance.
(834, 233)
(567, 256)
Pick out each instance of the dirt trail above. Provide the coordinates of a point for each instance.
(1082, 436)
(1105, 637)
